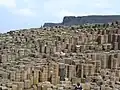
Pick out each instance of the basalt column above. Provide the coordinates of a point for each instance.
(62, 71)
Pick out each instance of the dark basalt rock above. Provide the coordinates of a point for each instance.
(80, 20)
(51, 24)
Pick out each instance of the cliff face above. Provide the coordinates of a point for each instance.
(72, 20)
(51, 24)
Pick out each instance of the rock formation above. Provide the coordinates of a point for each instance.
(57, 58)
(93, 19)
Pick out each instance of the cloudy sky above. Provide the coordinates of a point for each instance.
(16, 14)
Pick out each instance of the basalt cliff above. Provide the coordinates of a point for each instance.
(80, 20)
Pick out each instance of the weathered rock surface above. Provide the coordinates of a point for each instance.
(56, 58)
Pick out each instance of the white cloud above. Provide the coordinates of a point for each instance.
(13, 8)
(26, 1)
(32, 4)
(63, 13)
(55, 5)
(71, 4)
(66, 13)
(8, 3)
(101, 3)
(25, 12)
(61, 8)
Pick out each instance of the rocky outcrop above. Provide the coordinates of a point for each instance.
(72, 20)
(57, 58)
(51, 24)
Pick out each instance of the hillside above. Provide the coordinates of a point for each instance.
(93, 19)
(56, 58)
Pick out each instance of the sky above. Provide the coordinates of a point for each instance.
(20, 14)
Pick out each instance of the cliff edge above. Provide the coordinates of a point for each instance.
(80, 20)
